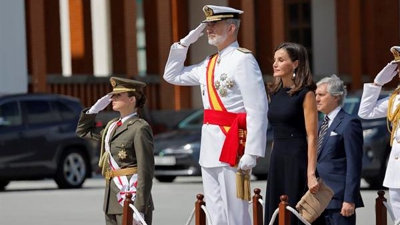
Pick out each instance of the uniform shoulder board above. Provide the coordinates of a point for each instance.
(244, 50)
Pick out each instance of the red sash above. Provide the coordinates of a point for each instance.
(230, 123)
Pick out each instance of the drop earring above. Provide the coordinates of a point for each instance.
(294, 75)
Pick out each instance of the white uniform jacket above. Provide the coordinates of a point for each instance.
(246, 95)
(371, 108)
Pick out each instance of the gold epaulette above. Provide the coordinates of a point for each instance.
(244, 50)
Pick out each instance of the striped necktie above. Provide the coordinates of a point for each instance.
(322, 132)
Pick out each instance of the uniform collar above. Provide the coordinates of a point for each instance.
(128, 116)
(228, 49)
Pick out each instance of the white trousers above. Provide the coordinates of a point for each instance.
(394, 197)
(219, 184)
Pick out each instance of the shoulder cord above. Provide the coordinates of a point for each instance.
(393, 117)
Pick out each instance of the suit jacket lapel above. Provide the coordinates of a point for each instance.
(338, 119)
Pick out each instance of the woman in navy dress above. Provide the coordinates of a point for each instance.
(293, 116)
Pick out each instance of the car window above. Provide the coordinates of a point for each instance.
(351, 105)
(193, 121)
(65, 111)
(10, 114)
(39, 111)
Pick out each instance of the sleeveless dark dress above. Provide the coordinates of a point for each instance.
(288, 166)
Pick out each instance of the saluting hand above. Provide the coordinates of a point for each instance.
(386, 74)
(193, 35)
(101, 104)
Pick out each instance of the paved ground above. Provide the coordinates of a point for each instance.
(41, 203)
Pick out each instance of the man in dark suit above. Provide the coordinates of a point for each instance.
(340, 150)
(126, 156)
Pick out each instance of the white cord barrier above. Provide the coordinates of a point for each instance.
(271, 222)
(261, 202)
(191, 216)
(207, 214)
(389, 210)
(205, 211)
(138, 214)
(298, 215)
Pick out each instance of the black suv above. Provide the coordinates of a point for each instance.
(38, 140)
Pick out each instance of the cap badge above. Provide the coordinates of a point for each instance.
(113, 83)
(208, 11)
(396, 53)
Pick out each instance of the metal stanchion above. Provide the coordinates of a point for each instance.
(380, 209)
(257, 208)
(127, 212)
(284, 214)
(199, 213)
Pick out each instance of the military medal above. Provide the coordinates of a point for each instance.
(229, 83)
(222, 92)
(223, 84)
(122, 154)
(223, 76)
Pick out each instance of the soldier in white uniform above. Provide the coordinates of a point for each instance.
(234, 101)
(371, 108)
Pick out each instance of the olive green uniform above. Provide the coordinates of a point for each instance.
(131, 146)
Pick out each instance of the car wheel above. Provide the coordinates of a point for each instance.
(3, 184)
(166, 179)
(72, 170)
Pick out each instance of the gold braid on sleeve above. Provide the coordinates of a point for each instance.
(393, 117)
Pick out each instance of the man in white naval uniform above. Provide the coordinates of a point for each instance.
(234, 98)
(371, 108)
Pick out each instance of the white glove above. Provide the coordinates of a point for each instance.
(101, 104)
(386, 74)
(193, 35)
(247, 162)
(136, 220)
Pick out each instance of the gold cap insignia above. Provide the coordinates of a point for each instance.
(208, 11)
(113, 83)
(396, 53)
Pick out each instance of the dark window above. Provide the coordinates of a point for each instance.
(298, 24)
(10, 114)
(40, 112)
(65, 111)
